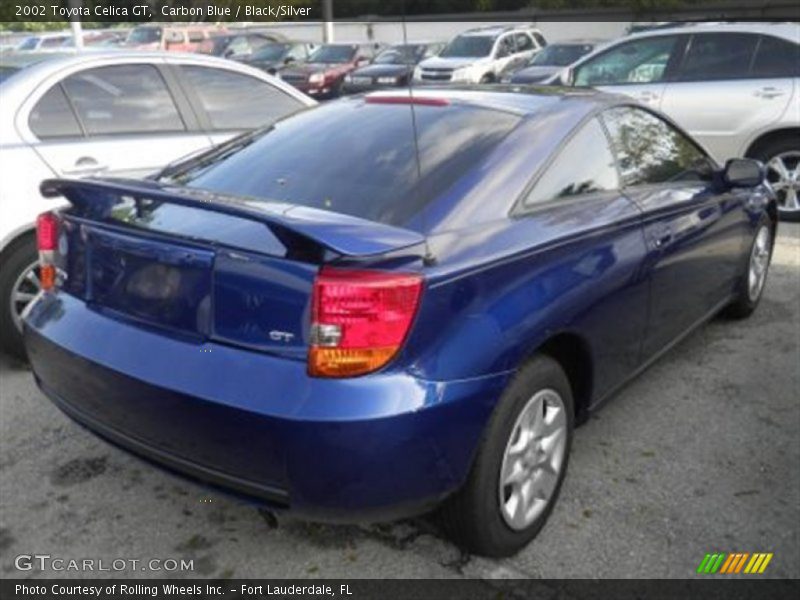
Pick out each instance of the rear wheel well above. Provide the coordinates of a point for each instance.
(763, 142)
(572, 353)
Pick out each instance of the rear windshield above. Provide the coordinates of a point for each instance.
(358, 159)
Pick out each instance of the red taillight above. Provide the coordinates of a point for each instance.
(360, 319)
(47, 242)
(47, 231)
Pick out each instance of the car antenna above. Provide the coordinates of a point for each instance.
(428, 259)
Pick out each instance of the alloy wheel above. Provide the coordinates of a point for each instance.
(783, 175)
(759, 263)
(25, 288)
(533, 459)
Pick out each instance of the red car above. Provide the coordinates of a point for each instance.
(322, 76)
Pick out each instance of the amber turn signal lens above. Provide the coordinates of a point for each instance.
(338, 362)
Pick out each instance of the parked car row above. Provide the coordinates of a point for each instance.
(682, 70)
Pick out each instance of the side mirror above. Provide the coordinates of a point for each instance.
(743, 172)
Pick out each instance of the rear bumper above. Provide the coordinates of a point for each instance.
(374, 447)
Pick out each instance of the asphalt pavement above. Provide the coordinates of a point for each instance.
(701, 453)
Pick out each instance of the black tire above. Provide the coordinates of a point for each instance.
(15, 259)
(472, 517)
(743, 305)
(765, 154)
(488, 78)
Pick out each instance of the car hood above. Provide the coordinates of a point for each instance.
(310, 68)
(437, 62)
(533, 74)
(382, 71)
(263, 64)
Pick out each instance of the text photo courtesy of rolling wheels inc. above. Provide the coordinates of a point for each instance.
(367, 299)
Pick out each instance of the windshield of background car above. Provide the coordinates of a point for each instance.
(270, 52)
(314, 158)
(28, 43)
(468, 46)
(338, 53)
(400, 55)
(560, 55)
(145, 35)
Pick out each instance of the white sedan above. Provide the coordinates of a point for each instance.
(114, 113)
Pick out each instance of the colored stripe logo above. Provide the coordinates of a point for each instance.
(735, 563)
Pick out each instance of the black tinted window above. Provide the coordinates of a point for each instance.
(236, 101)
(650, 150)
(715, 56)
(776, 58)
(123, 99)
(585, 165)
(359, 159)
(52, 117)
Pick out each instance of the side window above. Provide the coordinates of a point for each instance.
(650, 150)
(717, 56)
(524, 42)
(236, 101)
(123, 99)
(638, 61)
(52, 116)
(776, 58)
(585, 165)
(239, 45)
(506, 46)
(539, 39)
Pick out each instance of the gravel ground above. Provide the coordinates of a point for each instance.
(700, 453)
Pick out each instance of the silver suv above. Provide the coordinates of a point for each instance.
(734, 86)
(109, 113)
(481, 55)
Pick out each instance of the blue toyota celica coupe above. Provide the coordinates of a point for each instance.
(393, 302)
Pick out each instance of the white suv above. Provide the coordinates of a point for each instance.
(481, 55)
(734, 86)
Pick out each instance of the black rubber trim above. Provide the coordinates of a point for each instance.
(274, 495)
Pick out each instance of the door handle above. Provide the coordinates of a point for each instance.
(86, 165)
(768, 93)
(648, 96)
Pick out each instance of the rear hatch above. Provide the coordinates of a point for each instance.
(206, 266)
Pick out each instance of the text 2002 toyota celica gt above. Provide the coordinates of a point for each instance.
(393, 302)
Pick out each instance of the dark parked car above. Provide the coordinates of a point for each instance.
(236, 45)
(322, 76)
(352, 317)
(393, 67)
(550, 61)
(274, 57)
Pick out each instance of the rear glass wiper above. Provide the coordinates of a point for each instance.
(187, 164)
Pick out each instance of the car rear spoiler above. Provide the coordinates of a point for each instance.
(343, 234)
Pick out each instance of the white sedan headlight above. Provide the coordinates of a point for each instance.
(418, 73)
(317, 78)
(463, 74)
